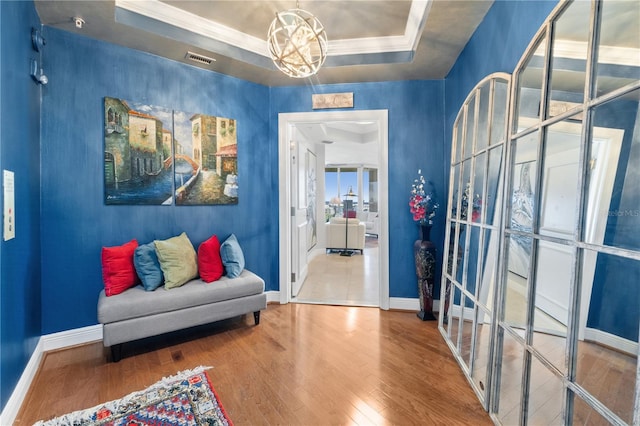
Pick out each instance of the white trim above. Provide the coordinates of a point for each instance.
(404, 303)
(273, 296)
(78, 336)
(182, 19)
(46, 343)
(286, 121)
(179, 18)
(410, 304)
(611, 340)
(10, 411)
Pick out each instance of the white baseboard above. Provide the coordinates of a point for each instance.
(409, 304)
(10, 411)
(78, 336)
(611, 340)
(46, 343)
(273, 296)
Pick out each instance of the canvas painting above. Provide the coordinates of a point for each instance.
(206, 159)
(158, 156)
(137, 153)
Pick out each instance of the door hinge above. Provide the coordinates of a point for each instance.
(293, 211)
(293, 277)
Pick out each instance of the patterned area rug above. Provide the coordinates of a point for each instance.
(186, 398)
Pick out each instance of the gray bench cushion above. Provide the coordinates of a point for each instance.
(136, 302)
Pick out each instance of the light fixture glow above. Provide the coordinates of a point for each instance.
(297, 43)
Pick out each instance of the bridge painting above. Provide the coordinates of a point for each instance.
(210, 143)
(157, 156)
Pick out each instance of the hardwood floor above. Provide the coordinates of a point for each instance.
(303, 365)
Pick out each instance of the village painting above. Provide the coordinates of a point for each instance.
(157, 156)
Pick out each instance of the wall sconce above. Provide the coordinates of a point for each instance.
(37, 74)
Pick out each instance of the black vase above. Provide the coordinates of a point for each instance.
(425, 232)
(425, 257)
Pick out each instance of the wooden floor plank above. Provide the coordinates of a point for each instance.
(304, 364)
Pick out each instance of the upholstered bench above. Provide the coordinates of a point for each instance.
(136, 313)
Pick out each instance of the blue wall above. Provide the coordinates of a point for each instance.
(20, 153)
(416, 141)
(75, 221)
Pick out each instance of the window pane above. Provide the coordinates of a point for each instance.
(371, 182)
(349, 181)
(546, 396)
(332, 200)
(500, 107)
(613, 211)
(522, 203)
(458, 138)
(482, 137)
(472, 256)
(516, 295)
(607, 357)
(618, 57)
(470, 133)
(558, 204)
(583, 414)
(467, 330)
(481, 352)
(530, 87)
(490, 203)
(569, 58)
(478, 188)
(555, 263)
(510, 381)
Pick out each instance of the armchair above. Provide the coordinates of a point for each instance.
(336, 234)
(371, 222)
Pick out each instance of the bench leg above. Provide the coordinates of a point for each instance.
(256, 317)
(116, 352)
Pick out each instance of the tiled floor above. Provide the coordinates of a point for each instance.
(342, 280)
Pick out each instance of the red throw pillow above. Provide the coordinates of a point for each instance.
(209, 260)
(350, 213)
(118, 271)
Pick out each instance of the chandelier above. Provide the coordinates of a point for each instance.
(297, 43)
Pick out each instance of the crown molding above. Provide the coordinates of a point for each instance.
(225, 40)
(180, 18)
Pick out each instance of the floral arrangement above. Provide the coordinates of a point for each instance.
(422, 205)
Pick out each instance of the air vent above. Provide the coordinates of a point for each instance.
(196, 57)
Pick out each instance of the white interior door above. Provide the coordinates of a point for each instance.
(299, 223)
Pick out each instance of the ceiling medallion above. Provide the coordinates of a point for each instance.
(297, 43)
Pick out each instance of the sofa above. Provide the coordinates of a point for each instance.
(135, 313)
(164, 286)
(371, 222)
(336, 234)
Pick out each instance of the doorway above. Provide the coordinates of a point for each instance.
(287, 126)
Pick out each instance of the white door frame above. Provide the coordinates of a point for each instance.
(285, 123)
